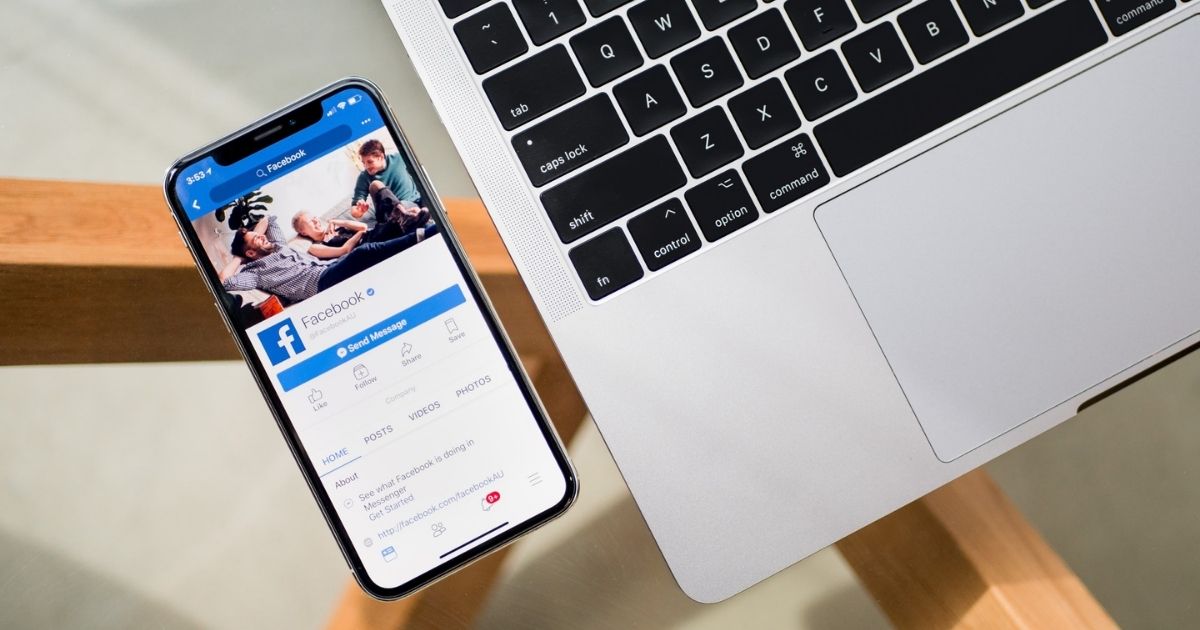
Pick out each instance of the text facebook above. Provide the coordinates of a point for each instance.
(275, 166)
(332, 309)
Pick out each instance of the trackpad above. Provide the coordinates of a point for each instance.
(1034, 256)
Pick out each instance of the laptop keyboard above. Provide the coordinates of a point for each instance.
(653, 128)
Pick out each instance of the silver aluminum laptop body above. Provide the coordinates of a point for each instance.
(789, 384)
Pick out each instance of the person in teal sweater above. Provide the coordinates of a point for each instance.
(389, 170)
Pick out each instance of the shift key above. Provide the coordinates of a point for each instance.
(612, 189)
(567, 141)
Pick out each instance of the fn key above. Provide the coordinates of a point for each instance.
(606, 263)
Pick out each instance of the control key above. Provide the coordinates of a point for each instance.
(663, 234)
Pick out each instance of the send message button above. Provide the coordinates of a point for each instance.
(370, 338)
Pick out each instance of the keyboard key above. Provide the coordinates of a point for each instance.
(819, 22)
(932, 29)
(785, 173)
(763, 43)
(663, 25)
(960, 84)
(721, 206)
(613, 188)
(663, 234)
(606, 51)
(764, 113)
(870, 10)
(706, 141)
(547, 19)
(1037, 4)
(820, 85)
(649, 100)
(606, 263)
(533, 87)
(706, 71)
(455, 8)
(718, 13)
(985, 16)
(600, 7)
(568, 140)
(877, 57)
(1125, 15)
(490, 38)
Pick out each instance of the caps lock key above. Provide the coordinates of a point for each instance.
(568, 140)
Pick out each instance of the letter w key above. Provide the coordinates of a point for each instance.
(663, 25)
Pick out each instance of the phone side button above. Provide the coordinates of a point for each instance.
(433, 190)
(221, 316)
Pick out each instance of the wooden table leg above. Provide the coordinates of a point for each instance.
(964, 556)
(356, 611)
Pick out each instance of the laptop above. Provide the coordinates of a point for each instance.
(808, 260)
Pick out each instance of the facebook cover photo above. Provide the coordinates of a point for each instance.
(294, 237)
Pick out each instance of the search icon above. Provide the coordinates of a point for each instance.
(280, 164)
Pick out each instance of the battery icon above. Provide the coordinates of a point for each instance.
(353, 99)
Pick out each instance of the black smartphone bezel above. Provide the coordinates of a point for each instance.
(311, 477)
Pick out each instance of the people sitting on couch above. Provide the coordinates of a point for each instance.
(337, 237)
(388, 170)
(330, 239)
(263, 260)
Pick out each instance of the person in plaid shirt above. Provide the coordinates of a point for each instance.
(263, 260)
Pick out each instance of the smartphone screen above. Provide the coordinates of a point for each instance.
(330, 258)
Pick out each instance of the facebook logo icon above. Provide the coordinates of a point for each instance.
(281, 342)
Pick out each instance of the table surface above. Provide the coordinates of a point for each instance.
(140, 499)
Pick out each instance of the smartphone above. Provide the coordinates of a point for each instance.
(335, 270)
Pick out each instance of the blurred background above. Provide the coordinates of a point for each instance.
(135, 495)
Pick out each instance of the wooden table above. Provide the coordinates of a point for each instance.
(84, 257)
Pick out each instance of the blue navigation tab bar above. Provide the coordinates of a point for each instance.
(348, 349)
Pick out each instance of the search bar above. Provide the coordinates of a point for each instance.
(280, 164)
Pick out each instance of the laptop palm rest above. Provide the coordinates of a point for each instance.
(1039, 254)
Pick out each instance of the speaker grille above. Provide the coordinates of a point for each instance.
(485, 151)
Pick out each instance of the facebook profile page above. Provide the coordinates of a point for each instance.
(381, 356)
